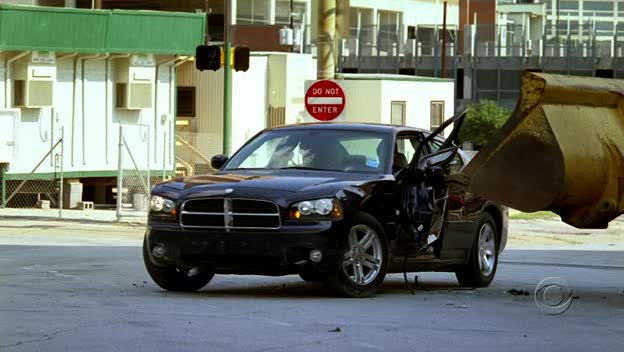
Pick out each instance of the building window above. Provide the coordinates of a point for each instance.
(602, 8)
(186, 102)
(437, 114)
(362, 27)
(397, 113)
(389, 30)
(282, 12)
(252, 12)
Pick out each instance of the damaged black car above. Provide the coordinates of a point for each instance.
(338, 203)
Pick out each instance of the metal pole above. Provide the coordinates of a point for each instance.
(119, 173)
(292, 24)
(227, 80)
(164, 154)
(207, 9)
(3, 174)
(444, 42)
(149, 188)
(62, 179)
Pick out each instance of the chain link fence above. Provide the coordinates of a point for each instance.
(44, 190)
(38, 193)
(134, 177)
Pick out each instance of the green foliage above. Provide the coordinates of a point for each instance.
(482, 121)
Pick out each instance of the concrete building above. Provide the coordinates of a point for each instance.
(83, 74)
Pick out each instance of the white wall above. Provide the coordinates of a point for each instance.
(363, 101)
(418, 97)
(370, 100)
(301, 68)
(91, 139)
(249, 102)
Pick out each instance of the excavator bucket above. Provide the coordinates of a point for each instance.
(562, 150)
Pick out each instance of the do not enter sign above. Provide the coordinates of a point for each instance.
(325, 100)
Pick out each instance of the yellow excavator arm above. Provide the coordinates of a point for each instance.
(562, 150)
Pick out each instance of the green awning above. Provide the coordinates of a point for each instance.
(99, 31)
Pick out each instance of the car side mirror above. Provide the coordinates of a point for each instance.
(218, 161)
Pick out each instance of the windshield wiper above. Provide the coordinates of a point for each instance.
(307, 168)
(300, 168)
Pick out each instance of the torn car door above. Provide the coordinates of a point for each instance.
(423, 190)
(562, 150)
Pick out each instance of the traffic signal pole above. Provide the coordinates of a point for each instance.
(227, 79)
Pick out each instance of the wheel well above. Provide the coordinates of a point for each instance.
(498, 220)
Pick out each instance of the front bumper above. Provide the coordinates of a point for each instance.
(280, 252)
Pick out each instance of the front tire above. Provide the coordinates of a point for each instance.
(172, 278)
(483, 257)
(362, 262)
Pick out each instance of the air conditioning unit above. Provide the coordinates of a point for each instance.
(33, 80)
(134, 84)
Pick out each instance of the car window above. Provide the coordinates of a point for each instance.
(457, 163)
(363, 148)
(405, 149)
(330, 150)
(261, 156)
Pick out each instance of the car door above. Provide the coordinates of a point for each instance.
(458, 232)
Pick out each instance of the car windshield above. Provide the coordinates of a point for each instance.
(315, 149)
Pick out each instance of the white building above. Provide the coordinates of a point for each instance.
(80, 75)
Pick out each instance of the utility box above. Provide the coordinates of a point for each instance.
(33, 80)
(134, 85)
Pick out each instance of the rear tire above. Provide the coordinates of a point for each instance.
(173, 278)
(363, 258)
(483, 258)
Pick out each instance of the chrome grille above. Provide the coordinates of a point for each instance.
(230, 213)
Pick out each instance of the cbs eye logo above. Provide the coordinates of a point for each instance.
(553, 296)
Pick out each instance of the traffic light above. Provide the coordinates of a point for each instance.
(240, 60)
(208, 57)
(211, 57)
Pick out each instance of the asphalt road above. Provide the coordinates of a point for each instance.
(85, 289)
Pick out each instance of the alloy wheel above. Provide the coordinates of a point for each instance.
(487, 249)
(363, 259)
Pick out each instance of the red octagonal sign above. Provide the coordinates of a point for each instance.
(325, 100)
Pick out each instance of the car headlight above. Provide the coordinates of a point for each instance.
(318, 209)
(162, 205)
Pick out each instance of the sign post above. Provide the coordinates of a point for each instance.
(325, 100)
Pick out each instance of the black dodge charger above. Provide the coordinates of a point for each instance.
(343, 204)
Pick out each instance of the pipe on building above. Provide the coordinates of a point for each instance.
(7, 76)
(106, 70)
(166, 62)
(82, 105)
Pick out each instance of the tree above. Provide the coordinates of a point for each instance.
(483, 120)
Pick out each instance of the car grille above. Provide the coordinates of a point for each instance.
(227, 213)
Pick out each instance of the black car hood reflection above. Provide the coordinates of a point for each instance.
(277, 180)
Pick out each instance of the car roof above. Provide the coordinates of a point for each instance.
(371, 127)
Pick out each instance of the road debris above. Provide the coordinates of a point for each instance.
(337, 329)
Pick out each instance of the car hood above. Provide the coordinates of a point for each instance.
(254, 183)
